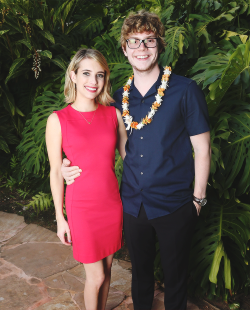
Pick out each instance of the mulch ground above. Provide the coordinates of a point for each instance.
(12, 202)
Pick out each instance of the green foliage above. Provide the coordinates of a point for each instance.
(118, 167)
(40, 202)
(32, 148)
(207, 40)
(222, 238)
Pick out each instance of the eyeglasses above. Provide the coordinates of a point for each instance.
(136, 43)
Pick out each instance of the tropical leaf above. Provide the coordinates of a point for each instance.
(48, 35)
(32, 148)
(41, 201)
(60, 63)
(26, 43)
(115, 31)
(3, 145)
(92, 25)
(224, 231)
(25, 19)
(118, 167)
(238, 62)
(206, 19)
(64, 11)
(46, 54)
(39, 23)
(236, 154)
(3, 32)
(176, 39)
(14, 67)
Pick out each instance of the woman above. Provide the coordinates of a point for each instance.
(88, 131)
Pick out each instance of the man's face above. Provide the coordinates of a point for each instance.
(142, 59)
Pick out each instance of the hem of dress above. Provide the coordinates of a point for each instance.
(94, 260)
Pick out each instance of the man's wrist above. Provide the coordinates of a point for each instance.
(201, 201)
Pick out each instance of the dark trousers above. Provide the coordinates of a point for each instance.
(174, 232)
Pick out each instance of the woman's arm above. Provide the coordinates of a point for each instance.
(54, 146)
(122, 135)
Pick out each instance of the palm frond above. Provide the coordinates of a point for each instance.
(223, 232)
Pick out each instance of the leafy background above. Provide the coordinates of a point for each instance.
(207, 41)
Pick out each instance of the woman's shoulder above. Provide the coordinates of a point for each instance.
(107, 108)
(63, 111)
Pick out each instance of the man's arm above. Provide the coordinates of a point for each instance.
(202, 151)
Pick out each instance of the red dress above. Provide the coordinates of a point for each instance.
(93, 203)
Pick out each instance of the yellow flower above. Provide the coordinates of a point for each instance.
(161, 91)
(134, 125)
(125, 112)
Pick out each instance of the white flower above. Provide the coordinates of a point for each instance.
(125, 93)
(140, 125)
(128, 120)
(158, 98)
(164, 84)
(166, 71)
(125, 106)
(129, 82)
(151, 113)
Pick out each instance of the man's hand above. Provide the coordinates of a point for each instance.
(69, 173)
(198, 207)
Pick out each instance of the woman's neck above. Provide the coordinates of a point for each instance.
(85, 105)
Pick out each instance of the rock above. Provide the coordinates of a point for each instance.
(62, 302)
(121, 278)
(158, 304)
(115, 297)
(191, 306)
(34, 233)
(78, 272)
(53, 292)
(17, 294)
(79, 299)
(41, 260)
(64, 281)
(10, 225)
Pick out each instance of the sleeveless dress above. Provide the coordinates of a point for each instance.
(93, 203)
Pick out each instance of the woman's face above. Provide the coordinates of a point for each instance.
(89, 79)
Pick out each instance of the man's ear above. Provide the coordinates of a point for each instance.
(73, 76)
(124, 51)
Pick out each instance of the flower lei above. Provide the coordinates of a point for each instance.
(128, 119)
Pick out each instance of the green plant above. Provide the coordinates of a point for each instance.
(40, 202)
(207, 40)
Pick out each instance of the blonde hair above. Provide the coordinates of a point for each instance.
(70, 90)
(140, 22)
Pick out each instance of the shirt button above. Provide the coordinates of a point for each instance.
(141, 189)
(141, 137)
(141, 173)
(141, 155)
(142, 101)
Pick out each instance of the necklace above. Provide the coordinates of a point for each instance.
(85, 118)
(128, 119)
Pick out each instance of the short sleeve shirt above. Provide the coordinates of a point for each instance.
(158, 168)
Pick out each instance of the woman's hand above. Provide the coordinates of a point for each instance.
(62, 229)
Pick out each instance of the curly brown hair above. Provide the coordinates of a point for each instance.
(140, 22)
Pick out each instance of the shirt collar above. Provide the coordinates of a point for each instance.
(154, 87)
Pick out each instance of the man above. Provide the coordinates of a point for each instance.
(156, 189)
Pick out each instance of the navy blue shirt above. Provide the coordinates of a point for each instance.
(158, 169)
